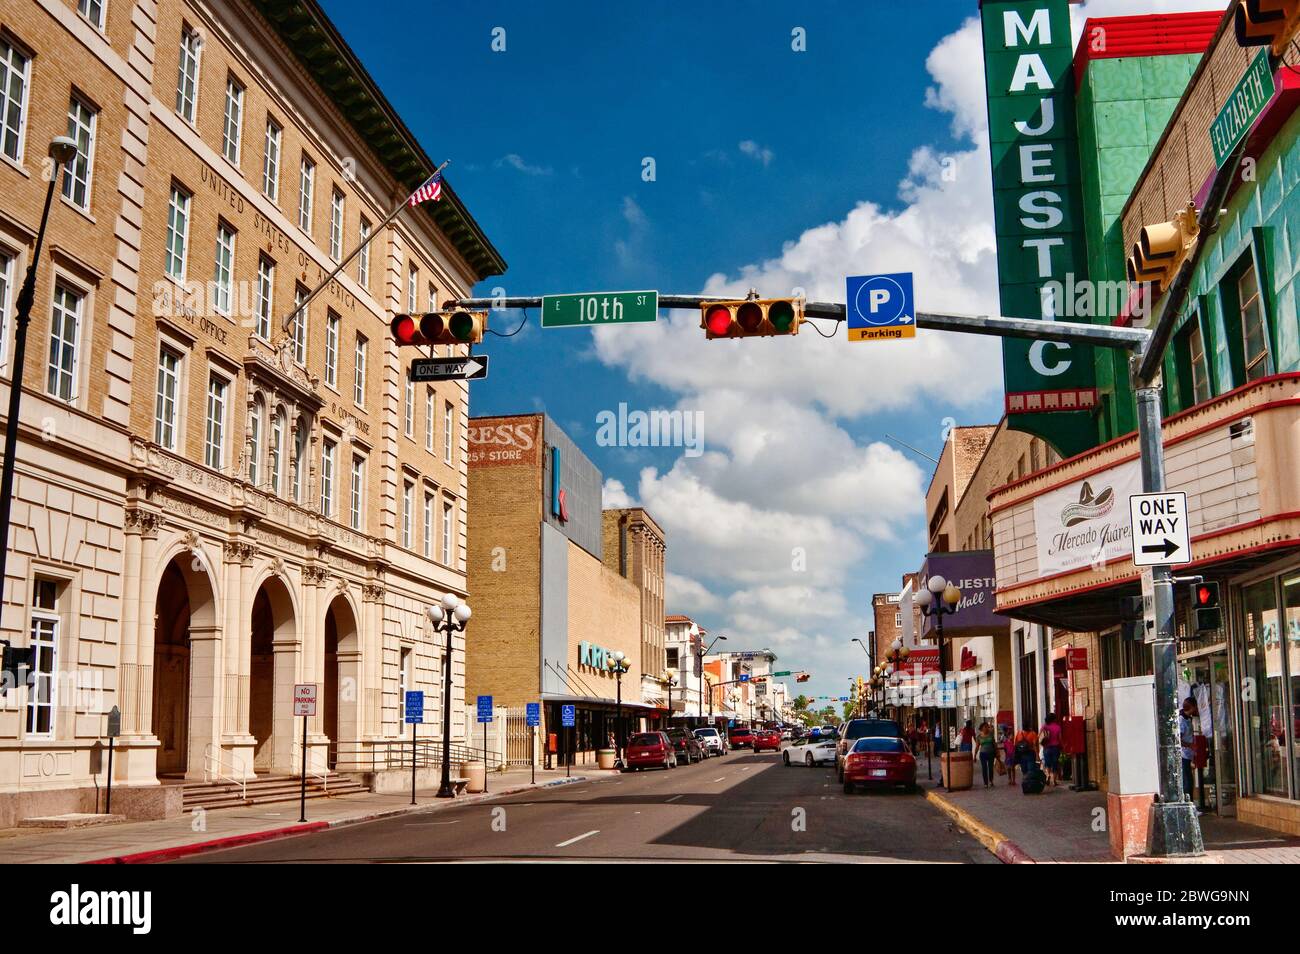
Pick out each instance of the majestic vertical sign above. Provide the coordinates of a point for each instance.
(1050, 386)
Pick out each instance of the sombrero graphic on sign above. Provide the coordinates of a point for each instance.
(1089, 507)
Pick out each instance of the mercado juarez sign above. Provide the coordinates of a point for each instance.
(1050, 386)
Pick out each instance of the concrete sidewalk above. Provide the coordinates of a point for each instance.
(1062, 826)
(151, 841)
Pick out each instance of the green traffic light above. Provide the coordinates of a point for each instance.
(781, 315)
(462, 326)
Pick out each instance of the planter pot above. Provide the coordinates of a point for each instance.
(475, 772)
(605, 758)
(956, 769)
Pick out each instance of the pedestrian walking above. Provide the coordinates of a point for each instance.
(967, 742)
(1187, 740)
(1050, 734)
(1025, 748)
(987, 744)
(1009, 754)
(938, 737)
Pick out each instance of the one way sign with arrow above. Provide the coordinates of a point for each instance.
(449, 369)
(1160, 531)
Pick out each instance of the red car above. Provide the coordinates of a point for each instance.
(741, 737)
(879, 761)
(767, 739)
(649, 750)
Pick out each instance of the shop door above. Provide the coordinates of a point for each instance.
(1223, 748)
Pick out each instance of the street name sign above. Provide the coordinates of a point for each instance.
(568, 716)
(484, 708)
(468, 368)
(599, 308)
(880, 307)
(304, 699)
(534, 713)
(1242, 107)
(114, 722)
(783, 672)
(414, 707)
(1160, 534)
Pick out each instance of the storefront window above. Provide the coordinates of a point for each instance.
(1264, 695)
(1291, 596)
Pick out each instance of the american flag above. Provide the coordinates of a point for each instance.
(431, 189)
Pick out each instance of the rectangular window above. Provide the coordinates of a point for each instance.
(265, 296)
(408, 420)
(448, 418)
(271, 161)
(277, 450)
(358, 492)
(429, 501)
(255, 443)
(300, 320)
(429, 416)
(448, 525)
(13, 100)
(412, 285)
(43, 640)
(301, 437)
(1254, 333)
(306, 183)
(231, 131)
(178, 233)
(6, 304)
(93, 11)
(359, 374)
(169, 379)
(187, 74)
(1200, 369)
(433, 298)
(336, 225)
(328, 448)
(332, 349)
(408, 493)
(223, 270)
(214, 440)
(363, 257)
(65, 330)
(76, 174)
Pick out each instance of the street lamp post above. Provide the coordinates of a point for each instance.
(670, 680)
(700, 670)
(617, 663)
(62, 150)
(940, 598)
(449, 617)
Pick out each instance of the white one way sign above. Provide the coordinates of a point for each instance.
(1160, 532)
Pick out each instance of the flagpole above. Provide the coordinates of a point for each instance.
(374, 233)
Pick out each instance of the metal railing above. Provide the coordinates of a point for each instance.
(322, 777)
(388, 754)
(214, 763)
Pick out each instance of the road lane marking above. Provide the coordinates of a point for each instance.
(422, 824)
(723, 779)
(675, 797)
(566, 844)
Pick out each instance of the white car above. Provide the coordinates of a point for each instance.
(710, 740)
(810, 750)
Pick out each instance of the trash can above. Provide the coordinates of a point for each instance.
(477, 775)
(956, 768)
(605, 758)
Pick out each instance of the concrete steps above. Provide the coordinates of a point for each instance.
(265, 790)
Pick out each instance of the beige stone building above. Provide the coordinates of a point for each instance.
(210, 509)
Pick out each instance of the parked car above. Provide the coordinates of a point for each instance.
(810, 750)
(648, 750)
(787, 733)
(740, 737)
(711, 741)
(767, 739)
(879, 761)
(685, 746)
(856, 729)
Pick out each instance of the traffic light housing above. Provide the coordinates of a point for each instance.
(1271, 23)
(751, 317)
(803, 677)
(1162, 247)
(1205, 601)
(456, 326)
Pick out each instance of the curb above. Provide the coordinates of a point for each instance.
(158, 855)
(1003, 848)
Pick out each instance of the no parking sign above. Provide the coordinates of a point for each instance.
(880, 307)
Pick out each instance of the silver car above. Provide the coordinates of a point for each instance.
(711, 741)
(810, 750)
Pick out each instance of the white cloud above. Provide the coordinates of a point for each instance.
(760, 153)
(686, 596)
(614, 496)
(516, 161)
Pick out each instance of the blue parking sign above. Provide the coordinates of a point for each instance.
(534, 713)
(484, 708)
(568, 716)
(880, 307)
(414, 707)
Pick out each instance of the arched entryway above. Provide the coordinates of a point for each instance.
(272, 643)
(341, 705)
(184, 604)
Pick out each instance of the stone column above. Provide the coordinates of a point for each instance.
(205, 701)
(137, 748)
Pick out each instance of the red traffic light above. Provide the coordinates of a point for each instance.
(406, 331)
(718, 320)
(1206, 595)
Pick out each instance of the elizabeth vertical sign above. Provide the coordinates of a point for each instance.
(1028, 55)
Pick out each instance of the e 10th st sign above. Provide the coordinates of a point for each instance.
(599, 308)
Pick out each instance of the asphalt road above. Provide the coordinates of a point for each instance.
(740, 807)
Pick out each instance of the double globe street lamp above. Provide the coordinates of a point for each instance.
(616, 662)
(939, 599)
(449, 616)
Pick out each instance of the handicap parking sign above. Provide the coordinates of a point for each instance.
(567, 716)
(534, 713)
(880, 307)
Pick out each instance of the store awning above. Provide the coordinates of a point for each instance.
(597, 701)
